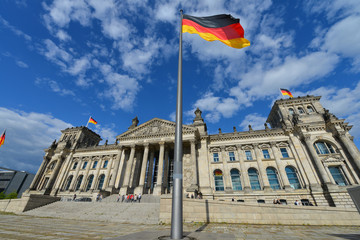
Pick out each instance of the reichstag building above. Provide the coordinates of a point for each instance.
(307, 154)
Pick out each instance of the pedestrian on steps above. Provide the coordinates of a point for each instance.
(139, 197)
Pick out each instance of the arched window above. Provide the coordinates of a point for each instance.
(273, 179)
(235, 179)
(323, 148)
(338, 175)
(90, 181)
(310, 109)
(218, 178)
(301, 110)
(68, 183)
(52, 165)
(78, 184)
(75, 165)
(292, 176)
(101, 181)
(291, 111)
(254, 179)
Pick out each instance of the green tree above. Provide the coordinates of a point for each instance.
(12, 195)
(2, 195)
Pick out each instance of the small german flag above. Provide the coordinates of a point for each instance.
(91, 120)
(286, 92)
(223, 27)
(2, 138)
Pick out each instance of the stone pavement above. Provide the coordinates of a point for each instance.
(29, 227)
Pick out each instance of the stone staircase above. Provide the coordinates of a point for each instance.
(109, 210)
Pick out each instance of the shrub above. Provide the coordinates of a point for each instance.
(2, 195)
(11, 195)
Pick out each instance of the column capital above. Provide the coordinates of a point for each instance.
(238, 146)
(306, 137)
(255, 145)
(192, 141)
(146, 144)
(162, 143)
(341, 134)
(222, 148)
(133, 145)
(273, 144)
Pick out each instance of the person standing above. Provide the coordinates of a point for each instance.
(139, 197)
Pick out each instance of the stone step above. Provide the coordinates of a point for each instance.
(139, 213)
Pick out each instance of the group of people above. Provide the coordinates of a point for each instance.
(198, 195)
(129, 198)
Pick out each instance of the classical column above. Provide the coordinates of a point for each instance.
(244, 175)
(140, 188)
(118, 182)
(124, 189)
(159, 178)
(82, 186)
(280, 167)
(194, 185)
(352, 172)
(347, 174)
(96, 175)
(262, 171)
(107, 174)
(34, 183)
(351, 148)
(115, 171)
(54, 173)
(150, 170)
(303, 161)
(166, 171)
(320, 167)
(63, 173)
(226, 173)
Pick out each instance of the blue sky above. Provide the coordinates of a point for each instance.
(64, 60)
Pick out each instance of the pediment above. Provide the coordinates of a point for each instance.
(153, 128)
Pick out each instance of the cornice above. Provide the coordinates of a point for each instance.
(247, 135)
(99, 148)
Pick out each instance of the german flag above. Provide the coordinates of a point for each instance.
(223, 27)
(91, 120)
(286, 92)
(2, 138)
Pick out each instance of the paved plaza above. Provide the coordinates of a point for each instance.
(29, 227)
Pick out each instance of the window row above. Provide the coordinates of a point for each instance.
(249, 155)
(89, 182)
(95, 163)
(336, 172)
(254, 179)
(301, 110)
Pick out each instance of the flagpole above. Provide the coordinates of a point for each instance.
(88, 122)
(177, 194)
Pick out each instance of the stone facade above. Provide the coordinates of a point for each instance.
(307, 154)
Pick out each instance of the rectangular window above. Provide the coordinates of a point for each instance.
(266, 153)
(105, 164)
(95, 164)
(248, 155)
(231, 156)
(216, 157)
(284, 153)
(84, 166)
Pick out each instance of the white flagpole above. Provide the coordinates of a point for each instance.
(88, 122)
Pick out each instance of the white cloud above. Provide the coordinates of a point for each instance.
(22, 64)
(27, 134)
(79, 66)
(106, 133)
(255, 120)
(54, 86)
(63, 36)
(14, 29)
